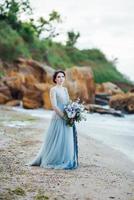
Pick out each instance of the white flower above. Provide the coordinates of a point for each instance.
(75, 110)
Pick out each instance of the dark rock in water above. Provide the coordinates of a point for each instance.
(102, 110)
(104, 96)
(102, 99)
(132, 90)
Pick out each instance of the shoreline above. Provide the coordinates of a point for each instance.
(103, 173)
(111, 157)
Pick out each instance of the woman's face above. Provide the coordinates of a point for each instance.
(60, 78)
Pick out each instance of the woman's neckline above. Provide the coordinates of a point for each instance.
(58, 86)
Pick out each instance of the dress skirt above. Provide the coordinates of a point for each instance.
(59, 149)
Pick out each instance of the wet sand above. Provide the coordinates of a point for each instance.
(103, 173)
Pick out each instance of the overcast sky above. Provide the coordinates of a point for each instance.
(104, 24)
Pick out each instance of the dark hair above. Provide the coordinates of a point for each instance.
(56, 73)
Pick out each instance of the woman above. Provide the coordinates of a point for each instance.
(59, 150)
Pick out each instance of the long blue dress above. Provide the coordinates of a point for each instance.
(59, 149)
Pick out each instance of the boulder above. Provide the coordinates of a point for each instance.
(46, 97)
(31, 97)
(132, 90)
(100, 109)
(80, 83)
(4, 89)
(29, 66)
(125, 86)
(108, 88)
(46, 100)
(42, 86)
(14, 80)
(13, 103)
(30, 103)
(14, 85)
(123, 102)
(3, 98)
(30, 81)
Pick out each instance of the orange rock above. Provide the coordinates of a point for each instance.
(46, 97)
(42, 86)
(30, 103)
(99, 88)
(32, 93)
(46, 100)
(13, 103)
(14, 82)
(123, 102)
(130, 108)
(29, 66)
(5, 90)
(108, 88)
(31, 81)
(3, 98)
(80, 83)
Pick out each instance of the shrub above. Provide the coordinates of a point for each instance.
(11, 44)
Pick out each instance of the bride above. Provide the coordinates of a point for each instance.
(59, 149)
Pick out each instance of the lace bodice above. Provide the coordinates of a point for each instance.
(59, 97)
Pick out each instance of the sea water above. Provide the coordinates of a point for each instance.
(117, 132)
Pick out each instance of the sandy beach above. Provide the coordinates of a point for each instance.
(103, 172)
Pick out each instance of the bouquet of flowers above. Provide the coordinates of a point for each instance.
(74, 111)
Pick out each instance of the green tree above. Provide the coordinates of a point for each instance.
(47, 26)
(72, 38)
(11, 10)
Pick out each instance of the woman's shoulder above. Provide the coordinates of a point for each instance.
(52, 89)
(65, 88)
